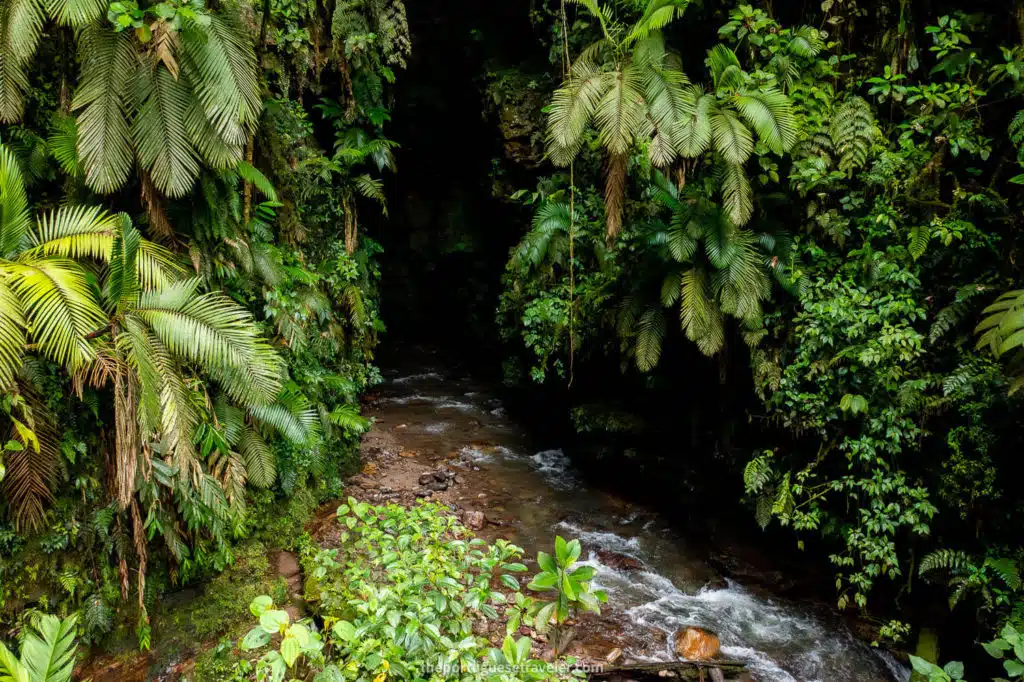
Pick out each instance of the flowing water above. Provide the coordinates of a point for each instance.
(663, 581)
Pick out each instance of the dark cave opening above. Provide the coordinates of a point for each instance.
(447, 239)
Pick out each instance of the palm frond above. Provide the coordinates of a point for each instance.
(62, 144)
(12, 333)
(699, 312)
(77, 13)
(550, 222)
(88, 232)
(573, 107)
(770, 113)
(650, 334)
(14, 215)
(693, 135)
(217, 334)
(737, 195)
(291, 415)
(59, 307)
(732, 139)
(260, 461)
(21, 25)
(162, 142)
(621, 117)
(109, 63)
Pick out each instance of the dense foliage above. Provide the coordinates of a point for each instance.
(826, 201)
(187, 306)
(409, 595)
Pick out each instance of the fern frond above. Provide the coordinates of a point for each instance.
(853, 131)
(948, 560)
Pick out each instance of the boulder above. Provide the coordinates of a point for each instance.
(619, 562)
(697, 644)
(475, 520)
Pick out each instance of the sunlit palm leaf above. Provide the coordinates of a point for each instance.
(60, 307)
(14, 216)
(49, 651)
(88, 232)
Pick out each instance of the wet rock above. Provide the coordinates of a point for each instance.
(441, 475)
(697, 644)
(619, 562)
(426, 478)
(437, 486)
(370, 469)
(475, 520)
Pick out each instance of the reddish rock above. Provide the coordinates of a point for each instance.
(697, 644)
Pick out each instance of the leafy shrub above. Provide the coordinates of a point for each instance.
(408, 595)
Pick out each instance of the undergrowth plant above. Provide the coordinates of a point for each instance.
(409, 595)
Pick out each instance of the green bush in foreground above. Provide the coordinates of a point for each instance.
(409, 595)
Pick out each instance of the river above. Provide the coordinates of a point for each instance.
(534, 493)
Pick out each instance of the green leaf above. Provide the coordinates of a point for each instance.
(561, 550)
(255, 638)
(543, 581)
(290, 650)
(260, 604)
(1014, 668)
(546, 563)
(523, 647)
(344, 630)
(274, 621)
(996, 647)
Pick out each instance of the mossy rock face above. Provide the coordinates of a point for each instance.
(311, 593)
(518, 99)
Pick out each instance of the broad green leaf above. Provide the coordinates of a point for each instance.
(260, 604)
(274, 621)
(255, 638)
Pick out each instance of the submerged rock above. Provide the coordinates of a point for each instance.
(697, 644)
(617, 561)
(475, 520)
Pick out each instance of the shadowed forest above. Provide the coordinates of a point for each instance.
(379, 340)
